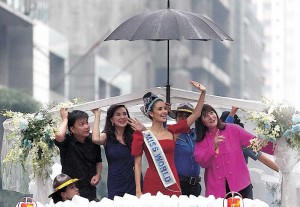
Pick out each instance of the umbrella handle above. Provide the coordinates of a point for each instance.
(168, 99)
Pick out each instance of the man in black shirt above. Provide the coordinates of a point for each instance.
(80, 157)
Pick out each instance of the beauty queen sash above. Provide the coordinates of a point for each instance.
(159, 159)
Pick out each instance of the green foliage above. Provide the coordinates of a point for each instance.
(32, 138)
(11, 99)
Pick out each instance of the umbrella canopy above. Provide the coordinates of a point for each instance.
(168, 24)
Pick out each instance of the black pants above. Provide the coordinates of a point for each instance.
(245, 193)
(188, 189)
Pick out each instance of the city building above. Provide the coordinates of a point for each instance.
(32, 56)
(227, 68)
(285, 51)
(281, 48)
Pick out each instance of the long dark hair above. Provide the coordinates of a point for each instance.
(57, 195)
(109, 128)
(200, 128)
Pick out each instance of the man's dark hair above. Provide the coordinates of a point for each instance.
(236, 119)
(74, 115)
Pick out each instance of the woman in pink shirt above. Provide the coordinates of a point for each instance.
(218, 149)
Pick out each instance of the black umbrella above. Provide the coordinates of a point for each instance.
(168, 24)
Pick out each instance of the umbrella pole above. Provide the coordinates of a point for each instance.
(168, 76)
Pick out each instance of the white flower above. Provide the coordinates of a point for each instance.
(23, 124)
(39, 116)
(278, 121)
(271, 110)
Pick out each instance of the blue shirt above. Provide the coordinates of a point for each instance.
(184, 155)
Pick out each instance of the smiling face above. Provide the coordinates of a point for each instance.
(120, 117)
(69, 193)
(209, 119)
(159, 111)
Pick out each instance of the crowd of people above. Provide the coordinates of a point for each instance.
(175, 153)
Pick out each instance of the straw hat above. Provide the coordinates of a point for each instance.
(61, 181)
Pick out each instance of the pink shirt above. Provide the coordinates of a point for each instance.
(269, 148)
(228, 165)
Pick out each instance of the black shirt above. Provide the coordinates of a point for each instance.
(79, 160)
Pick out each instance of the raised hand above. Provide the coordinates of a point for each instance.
(64, 113)
(197, 112)
(96, 111)
(233, 111)
(198, 85)
(168, 106)
(218, 138)
(136, 124)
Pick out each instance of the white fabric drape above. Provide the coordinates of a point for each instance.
(288, 160)
(19, 180)
(13, 177)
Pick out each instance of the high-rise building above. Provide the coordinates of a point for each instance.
(33, 56)
(247, 72)
(282, 48)
(226, 68)
(285, 50)
(86, 24)
(264, 14)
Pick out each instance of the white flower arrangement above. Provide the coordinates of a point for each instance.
(32, 139)
(280, 120)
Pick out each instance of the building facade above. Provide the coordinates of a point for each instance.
(227, 68)
(32, 55)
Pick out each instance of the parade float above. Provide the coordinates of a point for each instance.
(28, 161)
(146, 200)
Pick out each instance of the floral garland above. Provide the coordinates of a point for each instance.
(32, 139)
(279, 120)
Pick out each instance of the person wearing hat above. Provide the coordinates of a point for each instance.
(231, 117)
(158, 143)
(187, 168)
(64, 188)
(79, 156)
